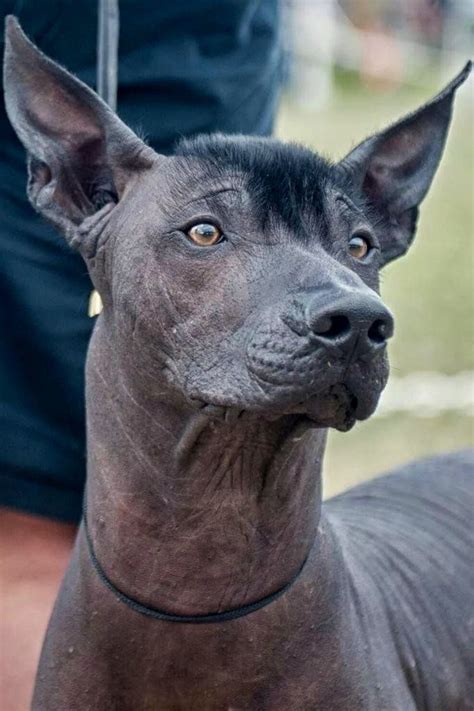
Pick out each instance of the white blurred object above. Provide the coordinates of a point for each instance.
(95, 306)
(428, 394)
(313, 46)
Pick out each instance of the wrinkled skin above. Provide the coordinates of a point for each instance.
(229, 322)
(212, 375)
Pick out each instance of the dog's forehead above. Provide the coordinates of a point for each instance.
(282, 180)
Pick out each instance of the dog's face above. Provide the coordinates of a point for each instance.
(239, 274)
(249, 271)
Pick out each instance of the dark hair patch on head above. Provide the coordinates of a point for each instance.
(287, 181)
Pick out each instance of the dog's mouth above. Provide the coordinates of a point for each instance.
(336, 407)
(336, 399)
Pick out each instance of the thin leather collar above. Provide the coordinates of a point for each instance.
(157, 614)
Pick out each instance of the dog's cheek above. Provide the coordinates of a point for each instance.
(94, 239)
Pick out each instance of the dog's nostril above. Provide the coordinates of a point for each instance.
(332, 326)
(379, 331)
(354, 323)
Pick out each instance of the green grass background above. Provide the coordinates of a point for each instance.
(430, 290)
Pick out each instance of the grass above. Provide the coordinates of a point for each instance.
(430, 291)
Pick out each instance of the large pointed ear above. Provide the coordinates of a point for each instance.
(394, 168)
(80, 155)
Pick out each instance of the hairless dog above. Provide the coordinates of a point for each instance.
(241, 319)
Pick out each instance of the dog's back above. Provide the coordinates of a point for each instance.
(408, 541)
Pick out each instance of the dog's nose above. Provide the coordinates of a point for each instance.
(356, 322)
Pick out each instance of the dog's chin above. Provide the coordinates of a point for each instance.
(336, 407)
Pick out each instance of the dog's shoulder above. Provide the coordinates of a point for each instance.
(428, 499)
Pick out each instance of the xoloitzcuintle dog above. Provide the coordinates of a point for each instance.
(241, 319)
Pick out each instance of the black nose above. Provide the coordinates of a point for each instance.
(358, 323)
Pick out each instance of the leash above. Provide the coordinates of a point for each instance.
(157, 614)
(107, 51)
(107, 80)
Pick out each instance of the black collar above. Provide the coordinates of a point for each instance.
(158, 614)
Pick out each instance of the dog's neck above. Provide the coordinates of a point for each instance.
(192, 514)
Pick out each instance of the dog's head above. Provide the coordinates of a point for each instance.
(240, 274)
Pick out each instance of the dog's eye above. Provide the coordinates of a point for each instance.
(204, 234)
(359, 246)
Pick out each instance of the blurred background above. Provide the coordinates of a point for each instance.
(353, 66)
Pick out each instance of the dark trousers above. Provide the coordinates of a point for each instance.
(187, 67)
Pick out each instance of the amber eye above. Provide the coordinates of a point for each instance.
(359, 246)
(204, 234)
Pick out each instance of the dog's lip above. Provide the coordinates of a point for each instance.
(228, 413)
(334, 407)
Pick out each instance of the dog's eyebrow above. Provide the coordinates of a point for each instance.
(347, 202)
(211, 194)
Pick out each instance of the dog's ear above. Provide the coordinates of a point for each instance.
(394, 168)
(80, 155)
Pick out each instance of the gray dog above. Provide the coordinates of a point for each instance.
(241, 319)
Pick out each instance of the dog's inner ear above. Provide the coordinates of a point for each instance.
(81, 155)
(394, 168)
